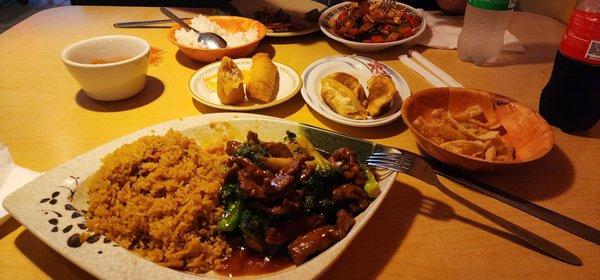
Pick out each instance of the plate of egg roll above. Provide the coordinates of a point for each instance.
(354, 90)
(244, 84)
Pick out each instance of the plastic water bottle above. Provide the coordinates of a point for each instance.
(482, 36)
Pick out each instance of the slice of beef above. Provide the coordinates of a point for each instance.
(280, 182)
(231, 147)
(249, 186)
(297, 164)
(345, 221)
(314, 241)
(252, 137)
(321, 238)
(286, 207)
(293, 228)
(346, 161)
(355, 197)
(277, 149)
(249, 166)
(285, 178)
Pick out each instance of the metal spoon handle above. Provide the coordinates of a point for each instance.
(176, 19)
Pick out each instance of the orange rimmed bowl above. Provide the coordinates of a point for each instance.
(231, 24)
(526, 130)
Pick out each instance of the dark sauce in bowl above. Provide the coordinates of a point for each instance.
(249, 262)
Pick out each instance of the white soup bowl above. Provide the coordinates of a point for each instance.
(108, 68)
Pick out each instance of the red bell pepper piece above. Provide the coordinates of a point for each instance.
(377, 39)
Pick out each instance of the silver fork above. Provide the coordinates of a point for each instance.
(415, 166)
(386, 5)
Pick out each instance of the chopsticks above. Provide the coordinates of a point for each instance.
(433, 74)
(145, 24)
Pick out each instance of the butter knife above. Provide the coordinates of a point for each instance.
(573, 226)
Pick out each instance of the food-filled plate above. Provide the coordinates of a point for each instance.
(281, 17)
(361, 70)
(203, 86)
(366, 27)
(115, 228)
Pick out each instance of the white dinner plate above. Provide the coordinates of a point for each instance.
(203, 86)
(361, 68)
(53, 206)
(295, 8)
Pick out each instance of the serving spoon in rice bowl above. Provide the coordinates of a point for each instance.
(209, 39)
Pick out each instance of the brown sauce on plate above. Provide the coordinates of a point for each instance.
(249, 262)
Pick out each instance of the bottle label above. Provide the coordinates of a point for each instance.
(497, 5)
(582, 38)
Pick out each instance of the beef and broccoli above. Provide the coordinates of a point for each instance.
(288, 198)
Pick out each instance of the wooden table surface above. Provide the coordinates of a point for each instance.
(46, 120)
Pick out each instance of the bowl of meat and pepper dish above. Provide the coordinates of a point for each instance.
(368, 26)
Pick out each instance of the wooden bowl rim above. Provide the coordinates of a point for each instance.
(412, 97)
(262, 31)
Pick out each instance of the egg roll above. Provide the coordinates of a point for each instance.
(352, 83)
(263, 81)
(230, 82)
(341, 99)
(381, 92)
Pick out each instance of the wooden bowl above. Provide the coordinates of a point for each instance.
(526, 130)
(231, 24)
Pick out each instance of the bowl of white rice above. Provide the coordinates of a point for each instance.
(242, 36)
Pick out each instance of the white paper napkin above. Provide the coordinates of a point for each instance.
(442, 33)
(12, 177)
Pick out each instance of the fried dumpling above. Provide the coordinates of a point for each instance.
(381, 92)
(352, 83)
(230, 82)
(341, 99)
(263, 81)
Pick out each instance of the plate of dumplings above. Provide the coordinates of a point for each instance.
(354, 90)
(244, 84)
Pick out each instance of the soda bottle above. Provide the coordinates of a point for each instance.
(482, 35)
(571, 99)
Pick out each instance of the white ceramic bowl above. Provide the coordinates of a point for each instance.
(108, 68)
(332, 13)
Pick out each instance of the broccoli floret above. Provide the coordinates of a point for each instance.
(323, 166)
(230, 193)
(231, 216)
(315, 190)
(327, 207)
(310, 204)
(314, 184)
(317, 199)
(234, 200)
(253, 224)
(251, 150)
(371, 187)
(289, 137)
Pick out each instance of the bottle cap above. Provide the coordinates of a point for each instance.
(497, 5)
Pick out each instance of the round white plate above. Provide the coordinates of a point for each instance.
(203, 86)
(295, 8)
(358, 67)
